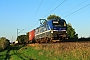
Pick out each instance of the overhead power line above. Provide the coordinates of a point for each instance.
(35, 15)
(50, 12)
(55, 7)
(50, 7)
(35, 24)
(76, 6)
(37, 9)
(77, 10)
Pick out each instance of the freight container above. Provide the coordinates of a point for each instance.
(32, 35)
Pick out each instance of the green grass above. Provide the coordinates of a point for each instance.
(48, 52)
(32, 53)
(14, 55)
(3, 54)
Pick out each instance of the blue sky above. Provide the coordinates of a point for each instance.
(25, 14)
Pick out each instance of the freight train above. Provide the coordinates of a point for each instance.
(54, 30)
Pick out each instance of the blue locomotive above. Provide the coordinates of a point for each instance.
(54, 30)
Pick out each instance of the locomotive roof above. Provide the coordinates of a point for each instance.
(49, 21)
(56, 19)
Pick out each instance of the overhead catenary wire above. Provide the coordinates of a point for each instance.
(37, 10)
(76, 6)
(77, 10)
(35, 24)
(35, 15)
(55, 8)
(50, 7)
(51, 11)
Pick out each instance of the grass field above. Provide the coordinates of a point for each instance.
(62, 51)
(3, 54)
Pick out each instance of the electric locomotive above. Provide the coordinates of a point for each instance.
(54, 30)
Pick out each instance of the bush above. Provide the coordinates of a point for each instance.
(4, 43)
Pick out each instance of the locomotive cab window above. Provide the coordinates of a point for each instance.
(59, 23)
(56, 23)
(62, 23)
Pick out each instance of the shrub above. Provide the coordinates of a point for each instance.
(4, 43)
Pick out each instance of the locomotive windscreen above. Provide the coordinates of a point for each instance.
(59, 23)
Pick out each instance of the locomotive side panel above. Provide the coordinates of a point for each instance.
(42, 32)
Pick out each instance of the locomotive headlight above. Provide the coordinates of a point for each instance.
(51, 31)
(66, 31)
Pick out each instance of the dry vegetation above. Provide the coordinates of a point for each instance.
(66, 50)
